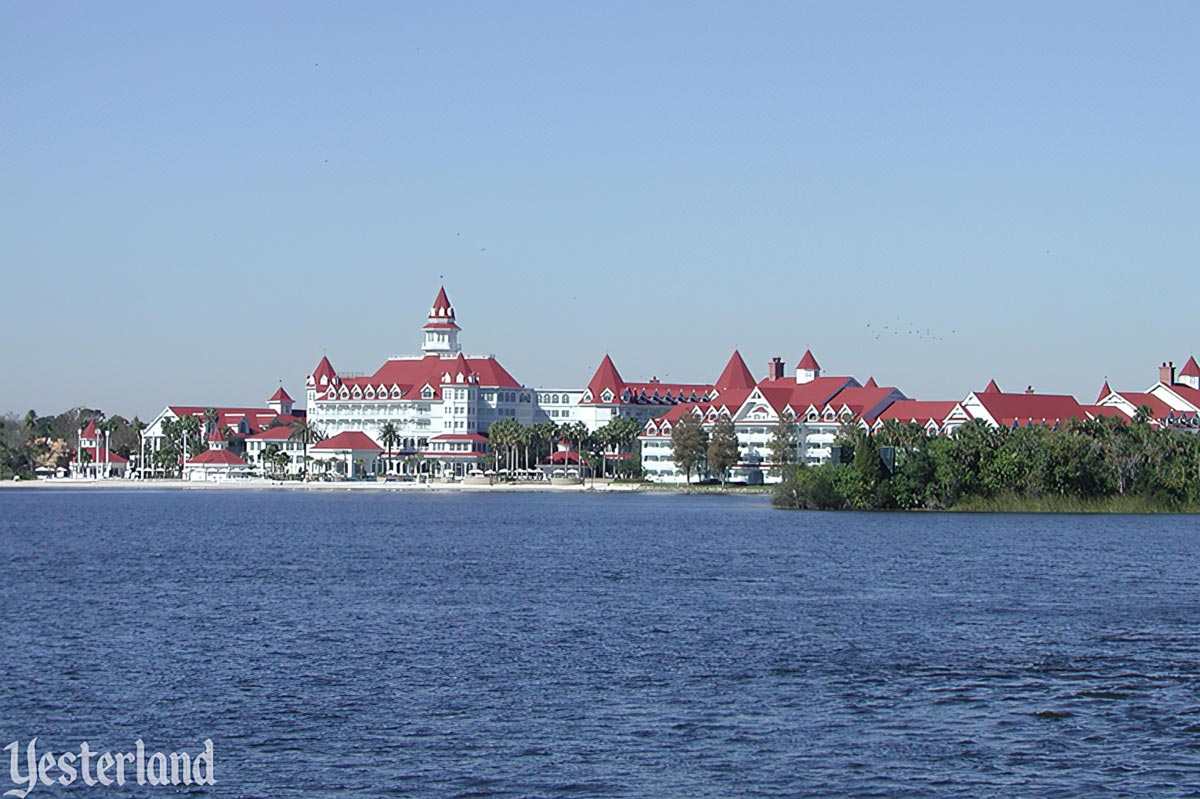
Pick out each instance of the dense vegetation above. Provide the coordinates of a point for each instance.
(31, 442)
(1101, 465)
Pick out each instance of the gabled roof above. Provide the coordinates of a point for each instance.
(866, 402)
(816, 392)
(1190, 369)
(735, 375)
(280, 433)
(280, 396)
(1007, 408)
(992, 388)
(808, 362)
(351, 439)
(1104, 391)
(920, 411)
(218, 457)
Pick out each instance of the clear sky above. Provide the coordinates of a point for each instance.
(198, 200)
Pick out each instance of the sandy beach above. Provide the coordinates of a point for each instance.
(295, 485)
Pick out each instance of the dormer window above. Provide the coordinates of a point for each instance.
(370, 392)
(427, 393)
(607, 396)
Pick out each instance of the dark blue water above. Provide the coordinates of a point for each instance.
(593, 646)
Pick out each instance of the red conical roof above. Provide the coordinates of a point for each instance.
(1104, 391)
(324, 369)
(992, 388)
(442, 309)
(90, 431)
(281, 395)
(808, 362)
(216, 437)
(1190, 369)
(735, 375)
(871, 383)
(461, 367)
(606, 376)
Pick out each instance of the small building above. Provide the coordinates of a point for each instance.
(93, 459)
(350, 454)
(258, 446)
(215, 463)
(456, 454)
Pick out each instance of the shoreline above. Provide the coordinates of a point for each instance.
(599, 486)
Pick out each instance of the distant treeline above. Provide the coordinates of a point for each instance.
(31, 441)
(1101, 464)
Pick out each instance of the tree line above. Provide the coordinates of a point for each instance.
(30, 442)
(1106, 461)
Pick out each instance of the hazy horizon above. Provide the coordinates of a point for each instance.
(201, 201)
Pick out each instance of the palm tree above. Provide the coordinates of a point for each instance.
(389, 435)
(548, 432)
(307, 433)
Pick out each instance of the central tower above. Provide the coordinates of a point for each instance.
(441, 331)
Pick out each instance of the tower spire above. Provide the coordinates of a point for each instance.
(441, 330)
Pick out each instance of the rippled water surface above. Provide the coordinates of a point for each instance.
(459, 645)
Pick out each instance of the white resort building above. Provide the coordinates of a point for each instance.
(440, 403)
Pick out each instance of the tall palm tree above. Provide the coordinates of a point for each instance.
(388, 436)
(307, 433)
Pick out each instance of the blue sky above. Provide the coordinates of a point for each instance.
(201, 200)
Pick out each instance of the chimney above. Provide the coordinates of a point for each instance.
(775, 369)
(1166, 373)
(1028, 389)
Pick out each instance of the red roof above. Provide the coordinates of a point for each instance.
(1158, 408)
(281, 433)
(230, 418)
(324, 370)
(870, 383)
(1035, 408)
(735, 375)
(218, 457)
(1106, 411)
(411, 374)
(865, 402)
(920, 411)
(442, 312)
(561, 457)
(1187, 393)
(351, 439)
(1104, 391)
(817, 392)
(101, 455)
(1190, 369)
(215, 436)
(90, 431)
(280, 396)
(992, 388)
(808, 362)
(606, 376)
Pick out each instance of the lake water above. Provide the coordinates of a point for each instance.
(465, 645)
